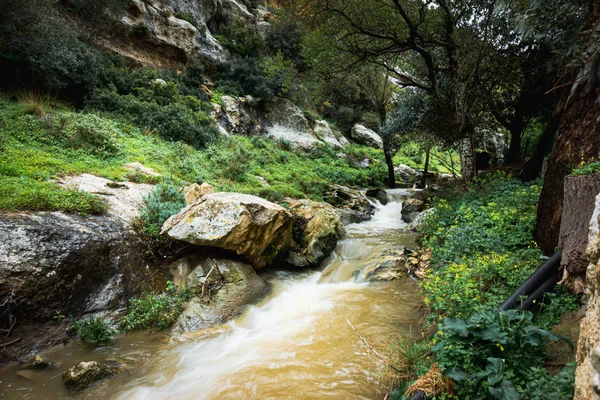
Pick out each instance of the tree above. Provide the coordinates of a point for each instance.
(573, 27)
(437, 46)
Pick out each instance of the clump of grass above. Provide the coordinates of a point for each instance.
(35, 103)
(26, 194)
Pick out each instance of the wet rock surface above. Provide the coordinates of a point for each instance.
(87, 374)
(223, 288)
(318, 228)
(378, 194)
(411, 209)
(252, 227)
(352, 206)
(54, 262)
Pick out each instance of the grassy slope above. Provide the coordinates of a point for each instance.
(42, 142)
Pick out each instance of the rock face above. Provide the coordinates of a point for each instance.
(195, 192)
(286, 121)
(589, 337)
(352, 206)
(323, 132)
(411, 209)
(252, 227)
(363, 135)
(319, 229)
(225, 288)
(73, 265)
(87, 374)
(239, 115)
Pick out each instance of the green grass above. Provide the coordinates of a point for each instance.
(37, 149)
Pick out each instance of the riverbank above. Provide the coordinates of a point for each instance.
(481, 238)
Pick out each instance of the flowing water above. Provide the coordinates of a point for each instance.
(296, 344)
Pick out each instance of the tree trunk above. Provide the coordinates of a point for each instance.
(577, 142)
(391, 180)
(467, 159)
(533, 167)
(579, 203)
(426, 169)
(514, 151)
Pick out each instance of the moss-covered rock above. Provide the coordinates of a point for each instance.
(87, 374)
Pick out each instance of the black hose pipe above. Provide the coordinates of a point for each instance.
(538, 279)
(538, 295)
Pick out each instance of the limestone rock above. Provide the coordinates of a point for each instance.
(589, 337)
(406, 173)
(225, 288)
(286, 121)
(87, 374)
(252, 227)
(123, 205)
(195, 192)
(239, 115)
(379, 194)
(320, 228)
(352, 205)
(363, 135)
(323, 131)
(411, 209)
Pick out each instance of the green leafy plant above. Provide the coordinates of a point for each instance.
(491, 354)
(94, 331)
(164, 201)
(155, 311)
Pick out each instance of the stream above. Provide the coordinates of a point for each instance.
(296, 344)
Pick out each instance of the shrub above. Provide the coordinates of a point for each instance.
(283, 37)
(242, 77)
(491, 354)
(164, 201)
(94, 331)
(242, 39)
(157, 311)
(93, 134)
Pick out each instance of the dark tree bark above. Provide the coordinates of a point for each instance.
(578, 141)
(516, 131)
(391, 180)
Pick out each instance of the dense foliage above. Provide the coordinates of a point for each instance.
(165, 200)
(482, 249)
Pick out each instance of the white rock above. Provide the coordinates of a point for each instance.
(366, 136)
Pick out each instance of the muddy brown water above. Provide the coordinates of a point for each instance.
(296, 344)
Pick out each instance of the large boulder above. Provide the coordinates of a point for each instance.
(224, 288)
(363, 135)
(286, 121)
(317, 230)
(323, 132)
(87, 374)
(419, 220)
(252, 227)
(53, 262)
(352, 206)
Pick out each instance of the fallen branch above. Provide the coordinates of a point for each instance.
(382, 358)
